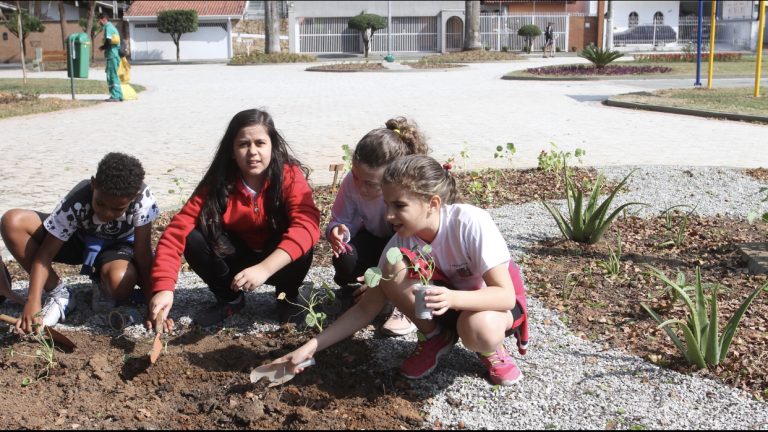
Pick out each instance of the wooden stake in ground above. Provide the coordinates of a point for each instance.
(21, 43)
(335, 168)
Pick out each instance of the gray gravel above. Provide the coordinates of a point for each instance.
(569, 383)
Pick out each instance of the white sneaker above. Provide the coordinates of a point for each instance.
(55, 306)
(398, 325)
(101, 302)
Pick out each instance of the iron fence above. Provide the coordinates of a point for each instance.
(498, 31)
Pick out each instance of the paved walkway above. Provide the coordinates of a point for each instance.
(175, 125)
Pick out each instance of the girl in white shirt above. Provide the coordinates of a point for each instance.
(483, 297)
(358, 230)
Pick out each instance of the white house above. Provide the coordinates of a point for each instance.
(212, 40)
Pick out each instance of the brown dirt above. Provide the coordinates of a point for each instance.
(201, 382)
(349, 67)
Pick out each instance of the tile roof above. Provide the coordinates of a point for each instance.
(203, 8)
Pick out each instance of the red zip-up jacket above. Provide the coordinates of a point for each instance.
(244, 218)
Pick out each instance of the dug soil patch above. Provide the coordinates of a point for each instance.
(200, 382)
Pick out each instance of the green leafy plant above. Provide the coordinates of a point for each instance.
(754, 213)
(463, 156)
(679, 282)
(367, 24)
(319, 298)
(29, 24)
(555, 161)
(180, 184)
(347, 158)
(612, 265)
(680, 230)
(703, 344)
(423, 265)
(529, 31)
(505, 151)
(586, 224)
(599, 57)
(177, 23)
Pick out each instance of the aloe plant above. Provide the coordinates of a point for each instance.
(599, 57)
(703, 345)
(587, 224)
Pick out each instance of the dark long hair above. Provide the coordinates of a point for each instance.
(223, 173)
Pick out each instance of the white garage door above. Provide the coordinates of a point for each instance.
(209, 42)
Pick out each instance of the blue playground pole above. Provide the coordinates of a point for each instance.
(698, 46)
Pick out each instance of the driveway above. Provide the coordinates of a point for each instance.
(175, 125)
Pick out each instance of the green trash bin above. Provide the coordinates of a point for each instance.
(78, 55)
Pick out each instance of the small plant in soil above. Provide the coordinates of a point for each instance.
(586, 224)
(612, 265)
(422, 265)
(318, 299)
(599, 57)
(505, 152)
(703, 345)
(679, 231)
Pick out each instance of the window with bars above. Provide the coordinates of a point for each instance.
(658, 18)
(634, 19)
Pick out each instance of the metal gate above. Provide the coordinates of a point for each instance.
(333, 35)
(498, 31)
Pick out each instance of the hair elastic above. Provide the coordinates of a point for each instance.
(447, 166)
(397, 131)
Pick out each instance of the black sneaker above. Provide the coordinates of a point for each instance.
(218, 312)
(290, 313)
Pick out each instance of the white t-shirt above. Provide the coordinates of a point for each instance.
(75, 215)
(468, 244)
(356, 212)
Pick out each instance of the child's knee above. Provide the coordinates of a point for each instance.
(11, 221)
(480, 328)
(118, 278)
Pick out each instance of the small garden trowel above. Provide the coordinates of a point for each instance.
(157, 345)
(278, 373)
(63, 342)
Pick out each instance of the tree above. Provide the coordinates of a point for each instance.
(529, 31)
(367, 24)
(29, 24)
(472, 25)
(271, 27)
(63, 22)
(176, 23)
(91, 23)
(91, 28)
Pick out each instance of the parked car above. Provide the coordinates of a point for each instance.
(644, 34)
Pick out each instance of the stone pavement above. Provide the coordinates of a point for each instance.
(175, 125)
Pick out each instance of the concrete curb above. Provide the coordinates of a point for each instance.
(685, 111)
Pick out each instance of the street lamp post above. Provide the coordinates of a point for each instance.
(390, 58)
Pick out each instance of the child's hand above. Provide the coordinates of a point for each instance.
(301, 354)
(336, 239)
(249, 279)
(439, 299)
(30, 319)
(162, 302)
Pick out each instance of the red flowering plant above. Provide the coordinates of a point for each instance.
(420, 265)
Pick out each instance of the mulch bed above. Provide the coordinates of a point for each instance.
(348, 67)
(567, 276)
(587, 70)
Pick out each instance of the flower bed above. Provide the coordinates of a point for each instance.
(585, 70)
(686, 57)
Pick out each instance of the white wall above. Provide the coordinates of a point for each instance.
(352, 8)
(645, 10)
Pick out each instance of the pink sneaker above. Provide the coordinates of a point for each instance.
(397, 325)
(427, 353)
(501, 367)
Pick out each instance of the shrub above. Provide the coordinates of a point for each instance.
(586, 224)
(598, 56)
(529, 31)
(582, 70)
(686, 57)
(367, 24)
(703, 346)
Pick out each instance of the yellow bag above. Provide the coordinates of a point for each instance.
(128, 92)
(124, 71)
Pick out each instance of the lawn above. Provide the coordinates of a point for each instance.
(17, 98)
(732, 69)
(738, 100)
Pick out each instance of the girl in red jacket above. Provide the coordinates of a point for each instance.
(251, 220)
